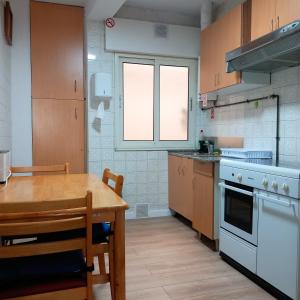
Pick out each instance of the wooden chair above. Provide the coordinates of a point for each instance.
(47, 270)
(99, 252)
(52, 169)
(36, 170)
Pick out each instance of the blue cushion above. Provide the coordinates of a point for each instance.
(100, 233)
(41, 267)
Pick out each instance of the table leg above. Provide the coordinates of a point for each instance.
(119, 255)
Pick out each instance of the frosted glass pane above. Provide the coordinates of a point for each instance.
(174, 101)
(138, 102)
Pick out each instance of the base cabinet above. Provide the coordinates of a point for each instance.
(191, 193)
(181, 186)
(278, 244)
(203, 218)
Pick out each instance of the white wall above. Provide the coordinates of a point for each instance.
(21, 85)
(133, 36)
(146, 172)
(5, 88)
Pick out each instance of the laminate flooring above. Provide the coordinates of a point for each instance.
(166, 260)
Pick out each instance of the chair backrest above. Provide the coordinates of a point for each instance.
(117, 179)
(61, 169)
(17, 219)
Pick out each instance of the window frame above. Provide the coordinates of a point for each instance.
(156, 144)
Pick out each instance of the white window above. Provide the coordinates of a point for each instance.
(155, 103)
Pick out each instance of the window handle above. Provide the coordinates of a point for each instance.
(191, 104)
(120, 101)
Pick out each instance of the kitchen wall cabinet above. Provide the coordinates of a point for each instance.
(203, 218)
(287, 11)
(217, 39)
(269, 15)
(57, 51)
(181, 186)
(58, 133)
(263, 17)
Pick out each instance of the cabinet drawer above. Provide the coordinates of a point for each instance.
(204, 168)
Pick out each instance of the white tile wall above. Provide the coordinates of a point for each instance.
(257, 124)
(5, 117)
(145, 172)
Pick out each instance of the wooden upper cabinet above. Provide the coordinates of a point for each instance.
(269, 15)
(220, 37)
(287, 11)
(57, 41)
(229, 38)
(263, 17)
(207, 62)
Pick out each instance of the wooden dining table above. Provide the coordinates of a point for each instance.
(107, 206)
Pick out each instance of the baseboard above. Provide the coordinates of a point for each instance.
(153, 213)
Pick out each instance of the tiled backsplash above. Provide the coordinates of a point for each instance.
(257, 124)
(5, 117)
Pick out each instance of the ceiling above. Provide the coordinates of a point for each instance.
(187, 7)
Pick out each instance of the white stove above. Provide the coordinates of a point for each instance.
(283, 179)
(260, 223)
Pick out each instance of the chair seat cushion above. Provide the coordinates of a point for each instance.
(40, 286)
(32, 270)
(100, 233)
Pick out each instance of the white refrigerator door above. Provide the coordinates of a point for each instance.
(278, 239)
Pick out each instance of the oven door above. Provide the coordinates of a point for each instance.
(239, 211)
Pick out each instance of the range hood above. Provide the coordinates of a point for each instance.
(277, 50)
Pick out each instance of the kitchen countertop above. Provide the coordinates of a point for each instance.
(194, 154)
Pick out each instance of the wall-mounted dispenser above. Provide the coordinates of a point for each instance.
(103, 85)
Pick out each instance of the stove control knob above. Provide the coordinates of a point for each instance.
(239, 177)
(275, 185)
(285, 188)
(265, 183)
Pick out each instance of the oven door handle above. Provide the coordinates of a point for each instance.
(275, 201)
(225, 186)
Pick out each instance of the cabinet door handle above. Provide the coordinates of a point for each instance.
(76, 117)
(278, 22)
(178, 171)
(215, 79)
(272, 25)
(75, 86)
(183, 171)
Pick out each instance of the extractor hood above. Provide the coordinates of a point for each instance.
(277, 50)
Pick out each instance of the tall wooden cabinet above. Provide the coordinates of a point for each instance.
(269, 15)
(58, 106)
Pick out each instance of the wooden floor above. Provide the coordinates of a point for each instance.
(165, 260)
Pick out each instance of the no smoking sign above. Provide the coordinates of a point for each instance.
(110, 22)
